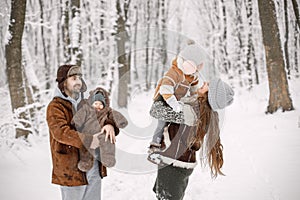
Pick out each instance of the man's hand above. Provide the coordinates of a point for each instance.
(110, 132)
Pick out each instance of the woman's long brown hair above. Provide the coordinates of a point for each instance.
(208, 136)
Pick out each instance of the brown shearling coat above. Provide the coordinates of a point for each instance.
(65, 142)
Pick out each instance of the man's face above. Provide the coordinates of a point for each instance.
(73, 85)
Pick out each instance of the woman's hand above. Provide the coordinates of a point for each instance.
(204, 88)
(110, 132)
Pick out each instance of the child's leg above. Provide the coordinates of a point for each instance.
(158, 133)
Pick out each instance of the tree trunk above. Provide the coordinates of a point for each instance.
(66, 32)
(59, 30)
(223, 40)
(102, 17)
(251, 59)
(179, 25)
(76, 33)
(278, 85)
(135, 71)
(296, 44)
(47, 68)
(296, 12)
(238, 33)
(158, 39)
(124, 66)
(164, 36)
(14, 69)
(147, 70)
(286, 42)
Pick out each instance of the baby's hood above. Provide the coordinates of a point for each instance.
(101, 91)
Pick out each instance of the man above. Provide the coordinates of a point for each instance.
(65, 141)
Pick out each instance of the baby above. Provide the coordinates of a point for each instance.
(89, 119)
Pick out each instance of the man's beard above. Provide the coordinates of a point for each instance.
(76, 91)
(76, 88)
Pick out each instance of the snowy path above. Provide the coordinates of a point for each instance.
(260, 153)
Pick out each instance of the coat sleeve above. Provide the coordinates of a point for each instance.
(62, 131)
(119, 120)
(168, 83)
(110, 120)
(80, 117)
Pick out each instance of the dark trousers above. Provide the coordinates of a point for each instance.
(171, 182)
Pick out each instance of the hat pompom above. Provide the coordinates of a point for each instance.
(220, 94)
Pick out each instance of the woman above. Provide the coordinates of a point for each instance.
(178, 158)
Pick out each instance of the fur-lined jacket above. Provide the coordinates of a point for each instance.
(181, 141)
(66, 140)
(176, 83)
(90, 121)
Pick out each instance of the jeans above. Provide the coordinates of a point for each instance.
(158, 133)
(92, 191)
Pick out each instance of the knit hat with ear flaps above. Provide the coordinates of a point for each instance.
(65, 71)
(220, 94)
(98, 97)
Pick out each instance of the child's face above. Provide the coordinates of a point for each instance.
(98, 105)
(190, 68)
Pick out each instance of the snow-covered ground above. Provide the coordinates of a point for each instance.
(260, 153)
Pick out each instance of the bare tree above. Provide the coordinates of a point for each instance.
(251, 63)
(45, 56)
(296, 12)
(286, 42)
(66, 32)
(135, 34)
(278, 85)
(164, 18)
(122, 38)
(296, 44)
(147, 49)
(14, 69)
(76, 33)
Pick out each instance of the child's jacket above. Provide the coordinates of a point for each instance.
(90, 121)
(175, 82)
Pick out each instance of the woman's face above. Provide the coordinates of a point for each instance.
(203, 89)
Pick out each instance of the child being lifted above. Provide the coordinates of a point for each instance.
(180, 80)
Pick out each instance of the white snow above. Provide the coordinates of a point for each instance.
(260, 153)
